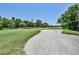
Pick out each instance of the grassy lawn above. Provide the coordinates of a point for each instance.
(71, 32)
(54, 28)
(12, 41)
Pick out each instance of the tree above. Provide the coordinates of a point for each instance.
(45, 24)
(32, 24)
(17, 22)
(70, 19)
(26, 22)
(5, 22)
(22, 25)
(13, 18)
(0, 18)
(1, 25)
(12, 22)
(38, 23)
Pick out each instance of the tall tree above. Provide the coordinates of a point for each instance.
(13, 18)
(69, 19)
(1, 23)
(38, 23)
(45, 24)
(17, 22)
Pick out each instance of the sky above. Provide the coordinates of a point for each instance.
(47, 12)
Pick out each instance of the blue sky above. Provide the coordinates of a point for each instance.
(47, 12)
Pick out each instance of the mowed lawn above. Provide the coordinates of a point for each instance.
(70, 32)
(12, 41)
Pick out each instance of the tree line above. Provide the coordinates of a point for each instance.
(18, 23)
(70, 18)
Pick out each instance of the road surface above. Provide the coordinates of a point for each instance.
(52, 42)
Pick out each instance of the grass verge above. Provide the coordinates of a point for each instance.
(71, 32)
(12, 41)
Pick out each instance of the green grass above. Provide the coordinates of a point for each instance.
(54, 28)
(12, 41)
(71, 32)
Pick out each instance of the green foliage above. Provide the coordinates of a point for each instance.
(1, 24)
(18, 23)
(38, 23)
(45, 24)
(22, 24)
(70, 19)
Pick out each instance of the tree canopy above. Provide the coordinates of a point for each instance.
(18, 23)
(70, 18)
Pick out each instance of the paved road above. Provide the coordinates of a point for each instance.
(52, 42)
